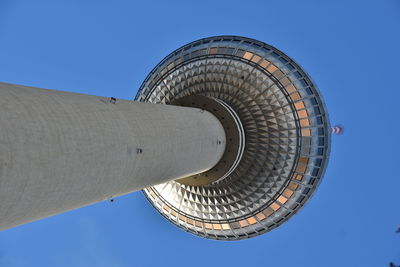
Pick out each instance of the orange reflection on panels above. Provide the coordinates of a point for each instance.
(303, 160)
(271, 68)
(288, 193)
(247, 55)
(295, 96)
(293, 186)
(301, 168)
(302, 113)
(264, 63)
(243, 223)
(213, 50)
(256, 58)
(217, 226)
(173, 213)
(225, 226)
(268, 211)
(298, 177)
(208, 226)
(290, 88)
(275, 206)
(252, 220)
(260, 216)
(304, 123)
(165, 207)
(198, 224)
(299, 105)
(279, 74)
(306, 132)
(190, 221)
(285, 81)
(282, 199)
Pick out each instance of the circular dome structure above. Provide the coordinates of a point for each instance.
(277, 136)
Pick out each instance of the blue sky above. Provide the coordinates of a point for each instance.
(350, 49)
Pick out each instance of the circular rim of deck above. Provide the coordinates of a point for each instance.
(287, 136)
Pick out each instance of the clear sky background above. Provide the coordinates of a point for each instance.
(350, 49)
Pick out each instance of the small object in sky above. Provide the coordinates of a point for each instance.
(337, 129)
(398, 229)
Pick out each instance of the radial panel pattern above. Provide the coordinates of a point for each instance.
(286, 133)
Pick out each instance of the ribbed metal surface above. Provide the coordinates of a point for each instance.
(286, 128)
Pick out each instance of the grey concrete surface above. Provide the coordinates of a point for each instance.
(60, 150)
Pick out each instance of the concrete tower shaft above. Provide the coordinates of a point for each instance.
(60, 150)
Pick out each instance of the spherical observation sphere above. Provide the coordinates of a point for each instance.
(286, 137)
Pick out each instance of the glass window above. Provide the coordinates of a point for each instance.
(213, 50)
(295, 96)
(302, 113)
(298, 177)
(290, 67)
(217, 226)
(321, 141)
(243, 223)
(166, 208)
(264, 63)
(283, 60)
(301, 168)
(279, 74)
(304, 122)
(303, 160)
(293, 186)
(240, 53)
(282, 199)
(252, 220)
(247, 55)
(290, 88)
(304, 83)
(208, 226)
(275, 206)
(256, 58)
(297, 74)
(285, 81)
(299, 105)
(225, 226)
(260, 216)
(271, 68)
(318, 162)
(268, 211)
(288, 193)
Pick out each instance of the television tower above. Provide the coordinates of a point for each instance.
(228, 137)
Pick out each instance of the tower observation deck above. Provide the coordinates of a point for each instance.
(228, 137)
